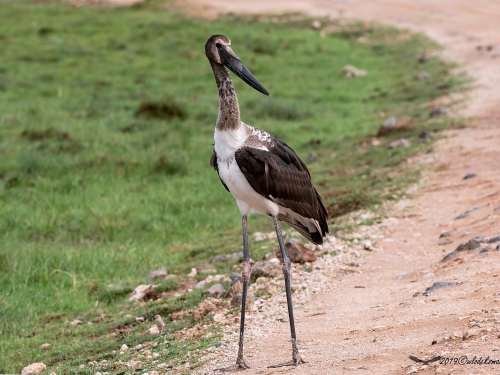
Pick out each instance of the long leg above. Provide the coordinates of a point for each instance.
(245, 275)
(287, 272)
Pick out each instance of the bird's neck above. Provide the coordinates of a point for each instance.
(229, 110)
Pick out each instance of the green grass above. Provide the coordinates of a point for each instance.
(106, 131)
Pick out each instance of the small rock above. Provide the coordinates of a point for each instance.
(140, 319)
(159, 322)
(470, 333)
(46, 346)
(221, 258)
(446, 234)
(266, 269)
(34, 368)
(123, 347)
(193, 273)
(238, 297)
(215, 290)
(311, 157)
(235, 288)
(426, 134)
(352, 72)
(444, 241)
(296, 252)
(206, 268)
(494, 239)
(408, 274)
(200, 284)
(138, 347)
(469, 175)
(153, 330)
(438, 285)
(76, 322)
(235, 278)
(144, 293)
(436, 112)
(412, 370)
(399, 143)
(391, 122)
(316, 24)
(422, 75)
(258, 236)
(220, 318)
(158, 274)
(466, 213)
(367, 245)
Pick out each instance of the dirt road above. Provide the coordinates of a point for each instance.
(370, 320)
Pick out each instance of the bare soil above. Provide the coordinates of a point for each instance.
(369, 321)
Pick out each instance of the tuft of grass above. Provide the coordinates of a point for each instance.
(163, 110)
(93, 195)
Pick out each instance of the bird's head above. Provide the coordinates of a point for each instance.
(218, 50)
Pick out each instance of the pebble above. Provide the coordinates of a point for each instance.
(266, 269)
(142, 293)
(436, 112)
(193, 273)
(399, 143)
(200, 284)
(438, 285)
(124, 347)
(296, 252)
(444, 241)
(235, 278)
(352, 72)
(446, 234)
(469, 175)
(391, 121)
(215, 290)
(426, 134)
(494, 239)
(311, 157)
(238, 297)
(153, 330)
(34, 368)
(160, 273)
(258, 236)
(46, 346)
(206, 268)
(221, 258)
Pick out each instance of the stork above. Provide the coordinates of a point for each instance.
(263, 174)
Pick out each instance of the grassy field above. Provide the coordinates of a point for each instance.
(106, 131)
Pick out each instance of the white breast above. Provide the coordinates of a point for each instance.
(226, 144)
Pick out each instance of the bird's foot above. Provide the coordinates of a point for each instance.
(296, 359)
(294, 362)
(239, 365)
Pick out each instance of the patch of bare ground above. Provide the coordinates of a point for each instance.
(367, 312)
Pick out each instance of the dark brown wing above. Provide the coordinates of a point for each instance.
(213, 163)
(279, 175)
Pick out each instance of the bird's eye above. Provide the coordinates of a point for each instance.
(218, 45)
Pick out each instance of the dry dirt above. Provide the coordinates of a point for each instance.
(369, 321)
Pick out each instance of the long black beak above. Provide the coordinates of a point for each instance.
(233, 63)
